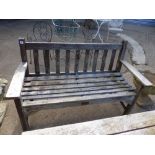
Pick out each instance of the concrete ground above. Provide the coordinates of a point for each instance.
(10, 31)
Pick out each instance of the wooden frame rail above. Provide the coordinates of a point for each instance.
(145, 82)
(16, 84)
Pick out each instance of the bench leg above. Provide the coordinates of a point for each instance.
(22, 116)
(129, 106)
(123, 105)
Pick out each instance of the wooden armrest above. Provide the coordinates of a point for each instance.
(137, 74)
(16, 84)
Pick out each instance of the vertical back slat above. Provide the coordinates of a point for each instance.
(77, 58)
(103, 59)
(46, 61)
(95, 60)
(112, 59)
(57, 53)
(67, 61)
(121, 55)
(36, 61)
(86, 60)
(23, 53)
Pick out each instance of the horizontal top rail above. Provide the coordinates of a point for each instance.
(68, 46)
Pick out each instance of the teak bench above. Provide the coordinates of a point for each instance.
(35, 91)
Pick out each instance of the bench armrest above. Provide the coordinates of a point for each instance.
(144, 81)
(16, 84)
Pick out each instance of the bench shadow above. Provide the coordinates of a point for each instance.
(56, 117)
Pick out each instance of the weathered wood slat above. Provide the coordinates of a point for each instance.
(42, 92)
(23, 50)
(137, 74)
(32, 74)
(70, 86)
(76, 76)
(46, 61)
(67, 61)
(36, 61)
(72, 81)
(112, 59)
(86, 61)
(86, 93)
(139, 123)
(121, 55)
(103, 59)
(23, 53)
(16, 84)
(142, 131)
(77, 59)
(95, 60)
(70, 101)
(57, 53)
(69, 46)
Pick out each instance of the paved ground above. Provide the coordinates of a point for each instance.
(10, 57)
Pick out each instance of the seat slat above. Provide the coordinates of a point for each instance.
(73, 81)
(110, 91)
(80, 85)
(77, 89)
(72, 101)
(46, 78)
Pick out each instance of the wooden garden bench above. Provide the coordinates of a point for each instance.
(42, 90)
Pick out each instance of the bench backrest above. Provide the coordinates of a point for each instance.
(71, 58)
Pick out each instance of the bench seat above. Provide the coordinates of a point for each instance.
(63, 89)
